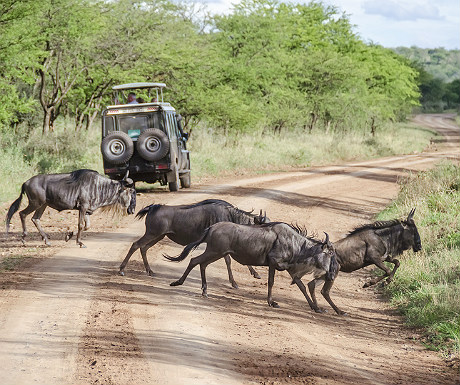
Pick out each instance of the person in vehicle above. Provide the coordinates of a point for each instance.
(132, 98)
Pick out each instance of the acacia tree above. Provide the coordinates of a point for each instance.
(18, 54)
(68, 28)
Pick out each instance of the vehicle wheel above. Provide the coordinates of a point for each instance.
(152, 144)
(117, 147)
(185, 180)
(175, 185)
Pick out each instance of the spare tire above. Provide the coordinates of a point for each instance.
(152, 144)
(117, 147)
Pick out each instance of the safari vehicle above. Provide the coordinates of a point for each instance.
(144, 137)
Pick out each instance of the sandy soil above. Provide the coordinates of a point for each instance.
(68, 317)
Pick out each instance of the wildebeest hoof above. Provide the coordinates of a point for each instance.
(256, 276)
(82, 246)
(175, 283)
(150, 273)
(319, 310)
(235, 285)
(122, 273)
(344, 313)
(274, 304)
(205, 295)
(68, 236)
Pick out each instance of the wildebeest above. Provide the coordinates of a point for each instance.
(185, 224)
(373, 244)
(82, 190)
(277, 245)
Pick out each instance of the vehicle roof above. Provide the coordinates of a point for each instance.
(129, 86)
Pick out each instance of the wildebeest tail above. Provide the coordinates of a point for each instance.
(188, 249)
(13, 208)
(333, 269)
(147, 210)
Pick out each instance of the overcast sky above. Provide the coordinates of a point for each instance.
(393, 23)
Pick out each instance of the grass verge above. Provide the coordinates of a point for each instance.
(426, 287)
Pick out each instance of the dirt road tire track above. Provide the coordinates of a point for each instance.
(72, 319)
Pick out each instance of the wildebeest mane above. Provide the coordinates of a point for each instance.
(301, 230)
(78, 174)
(375, 226)
(209, 202)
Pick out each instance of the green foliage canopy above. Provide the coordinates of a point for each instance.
(267, 65)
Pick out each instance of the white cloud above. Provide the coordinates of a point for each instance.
(391, 23)
(399, 10)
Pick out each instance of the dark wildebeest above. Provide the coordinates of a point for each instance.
(373, 244)
(277, 245)
(82, 190)
(185, 224)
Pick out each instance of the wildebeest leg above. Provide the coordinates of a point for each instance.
(81, 220)
(311, 288)
(254, 273)
(271, 281)
(325, 292)
(206, 258)
(390, 277)
(204, 284)
(375, 280)
(303, 289)
(228, 262)
(144, 254)
(145, 242)
(87, 222)
(23, 215)
(36, 220)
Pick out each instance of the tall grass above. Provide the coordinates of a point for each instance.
(426, 287)
(216, 154)
(25, 154)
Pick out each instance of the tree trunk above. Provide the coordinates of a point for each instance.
(373, 127)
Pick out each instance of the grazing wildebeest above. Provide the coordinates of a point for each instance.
(373, 244)
(82, 190)
(277, 245)
(186, 223)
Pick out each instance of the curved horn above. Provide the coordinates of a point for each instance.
(411, 214)
(327, 238)
(126, 175)
(260, 214)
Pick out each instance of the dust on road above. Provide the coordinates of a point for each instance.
(70, 318)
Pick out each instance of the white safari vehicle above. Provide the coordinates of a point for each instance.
(142, 134)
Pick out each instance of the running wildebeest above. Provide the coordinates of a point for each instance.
(82, 190)
(186, 223)
(373, 244)
(277, 245)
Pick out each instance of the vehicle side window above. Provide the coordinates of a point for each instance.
(109, 124)
(171, 128)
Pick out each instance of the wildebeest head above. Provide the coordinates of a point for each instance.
(128, 195)
(410, 237)
(261, 218)
(329, 250)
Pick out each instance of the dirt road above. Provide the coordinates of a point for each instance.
(70, 319)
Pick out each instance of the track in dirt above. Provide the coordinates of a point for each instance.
(71, 319)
